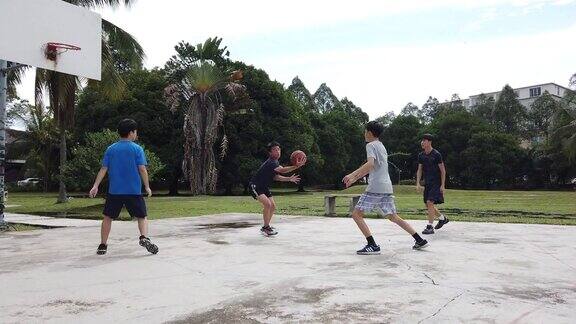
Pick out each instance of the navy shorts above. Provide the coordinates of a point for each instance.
(135, 205)
(256, 191)
(432, 193)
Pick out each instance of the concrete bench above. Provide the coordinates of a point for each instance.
(330, 203)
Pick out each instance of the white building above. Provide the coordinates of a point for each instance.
(526, 95)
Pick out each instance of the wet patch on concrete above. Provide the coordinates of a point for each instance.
(226, 225)
(269, 306)
(357, 313)
(517, 263)
(486, 240)
(531, 294)
(417, 301)
(70, 306)
(218, 242)
(486, 320)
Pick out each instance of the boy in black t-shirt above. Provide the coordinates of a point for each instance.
(430, 164)
(269, 171)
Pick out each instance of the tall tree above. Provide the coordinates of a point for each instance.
(540, 115)
(387, 119)
(302, 94)
(484, 108)
(199, 93)
(455, 105)
(325, 100)
(354, 111)
(485, 156)
(41, 134)
(410, 110)
(509, 113)
(453, 133)
(430, 109)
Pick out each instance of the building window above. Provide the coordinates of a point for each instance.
(535, 92)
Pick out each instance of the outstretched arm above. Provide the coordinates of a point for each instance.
(359, 173)
(293, 178)
(288, 169)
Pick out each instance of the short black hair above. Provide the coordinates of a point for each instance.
(428, 137)
(375, 127)
(125, 126)
(270, 145)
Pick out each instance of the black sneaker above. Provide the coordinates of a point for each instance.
(102, 248)
(441, 223)
(428, 230)
(369, 249)
(145, 242)
(420, 245)
(268, 231)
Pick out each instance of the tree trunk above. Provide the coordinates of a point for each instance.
(46, 169)
(65, 120)
(200, 130)
(176, 173)
(62, 186)
(191, 166)
(228, 191)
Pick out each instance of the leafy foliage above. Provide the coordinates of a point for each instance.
(80, 171)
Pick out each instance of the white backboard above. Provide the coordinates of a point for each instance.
(27, 25)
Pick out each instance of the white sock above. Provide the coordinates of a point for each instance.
(430, 223)
(441, 217)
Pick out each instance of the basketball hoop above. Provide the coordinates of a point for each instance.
(52, 50)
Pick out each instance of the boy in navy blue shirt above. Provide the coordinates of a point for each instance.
(125, 163)
(269, 171)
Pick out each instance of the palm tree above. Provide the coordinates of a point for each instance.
(198, 92)
(117, 45)
(41, 134)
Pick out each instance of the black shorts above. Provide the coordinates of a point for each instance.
(432, 193)
(134, 204)
(256, 191)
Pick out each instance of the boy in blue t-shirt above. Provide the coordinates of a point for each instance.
(125, 163)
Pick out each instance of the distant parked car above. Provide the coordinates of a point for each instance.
(29, 182)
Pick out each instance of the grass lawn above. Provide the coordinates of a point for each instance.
(542, 207)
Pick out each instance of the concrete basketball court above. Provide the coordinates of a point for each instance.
(218, 269)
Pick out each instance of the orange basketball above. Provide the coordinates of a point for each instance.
(297, 157)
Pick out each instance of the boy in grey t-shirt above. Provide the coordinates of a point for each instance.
(378, 195)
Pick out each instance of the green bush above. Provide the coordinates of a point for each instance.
(81, 170)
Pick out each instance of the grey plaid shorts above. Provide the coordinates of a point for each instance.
(383, 204)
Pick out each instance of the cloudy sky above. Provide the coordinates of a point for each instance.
(379, 54)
